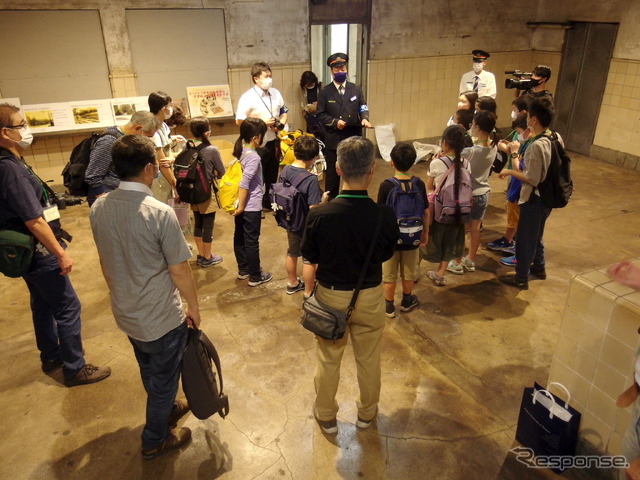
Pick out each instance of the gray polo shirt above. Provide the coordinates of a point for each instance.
(138, 238)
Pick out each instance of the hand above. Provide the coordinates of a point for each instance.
(270, 122)
(341, 124)
(193, 317)
(312, 107)
(627, 397)
(237, 212)
(626, 274)
(178, 138)
(504, 173)
(633, 472)
(65, 263)
(365, 123)
(325, 197)
(424, 238)
(166, 162)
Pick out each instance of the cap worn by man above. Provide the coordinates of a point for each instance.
(337, 60)
(480, 55)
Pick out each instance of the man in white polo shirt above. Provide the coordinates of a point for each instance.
(144, 259)
(265, 102)
(478, 80)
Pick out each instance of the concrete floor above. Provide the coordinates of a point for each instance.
(452, 370)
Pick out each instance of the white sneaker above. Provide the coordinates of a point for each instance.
(468, 264)
(455, 268)
(436, 279)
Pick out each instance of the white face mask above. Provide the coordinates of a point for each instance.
(265, 83)
(514, 115)
(26, 137)
(477, 67)
(168, 113)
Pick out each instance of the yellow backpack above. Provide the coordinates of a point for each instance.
(287, 139)
(228, 187)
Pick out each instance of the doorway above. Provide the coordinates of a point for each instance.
(346, 38)
(586, 55)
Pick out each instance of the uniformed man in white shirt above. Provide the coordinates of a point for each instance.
(478, 80)
(266, 103)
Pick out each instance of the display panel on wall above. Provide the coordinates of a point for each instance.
(173, 49)
(53, 56)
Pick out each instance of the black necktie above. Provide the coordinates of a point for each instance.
(475, 83)
(341, 90)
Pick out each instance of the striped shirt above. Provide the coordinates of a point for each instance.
(138, 238)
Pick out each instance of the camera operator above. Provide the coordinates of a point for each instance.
(266, 103)
(541, 74)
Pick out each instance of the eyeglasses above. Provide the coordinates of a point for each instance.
(22, 125)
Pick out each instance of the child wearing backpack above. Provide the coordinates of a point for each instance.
(446, 234)
(306, 151)
(204, 213)
(406, 194)
(248, 212)
(480, 157)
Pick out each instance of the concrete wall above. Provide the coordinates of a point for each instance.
(418, 51)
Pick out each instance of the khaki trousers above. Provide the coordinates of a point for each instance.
(365, 328)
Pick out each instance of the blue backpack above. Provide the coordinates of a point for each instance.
(408, 204)
(288, 203)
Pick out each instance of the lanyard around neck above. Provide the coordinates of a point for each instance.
(348, 195)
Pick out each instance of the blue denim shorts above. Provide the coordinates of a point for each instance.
(479, 206)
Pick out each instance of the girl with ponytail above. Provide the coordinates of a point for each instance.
(249, 211)
(481, 157)
(446, 241)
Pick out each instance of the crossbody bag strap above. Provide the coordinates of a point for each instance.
(367, 260)
(444, 177)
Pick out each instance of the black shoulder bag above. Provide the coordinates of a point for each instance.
(328, 322)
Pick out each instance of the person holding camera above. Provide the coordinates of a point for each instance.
(266, 103)
(27, 205)
(541, 74)
(343, 111)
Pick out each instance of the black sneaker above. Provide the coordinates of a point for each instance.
(410, 305)
(88, 374)
(513, 281)
(263, 278)
(49, 366)
(213, 260)
(242, 276)
(295, 288)
(539, 274)
(390, 309)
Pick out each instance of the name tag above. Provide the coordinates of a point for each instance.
(51, 213)
(353, 99)
(331, 101)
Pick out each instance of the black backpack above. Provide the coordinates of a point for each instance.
(557, 187)
(192, 183)
(199, 380)
(75, 170)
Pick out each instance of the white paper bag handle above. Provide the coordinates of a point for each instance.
(566, 390)
(553, 401)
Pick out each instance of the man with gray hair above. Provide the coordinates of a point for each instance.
(100, 175)
(337, 237)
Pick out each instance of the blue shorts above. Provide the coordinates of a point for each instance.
(479, 206)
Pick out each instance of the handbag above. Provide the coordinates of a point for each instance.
(547, 425)
(328, 322)
(16, 252)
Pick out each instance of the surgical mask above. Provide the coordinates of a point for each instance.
(168, 114)
(477, 67)
(265, 83)
(463, 106)
(340, 77)
(26, 137)
(311, 87)
(514, 115)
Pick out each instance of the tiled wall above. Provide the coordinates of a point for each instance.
(619, 121)
(419, 95)
(595, 354)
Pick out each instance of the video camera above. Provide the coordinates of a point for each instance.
(64, 200)
(522, 80)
